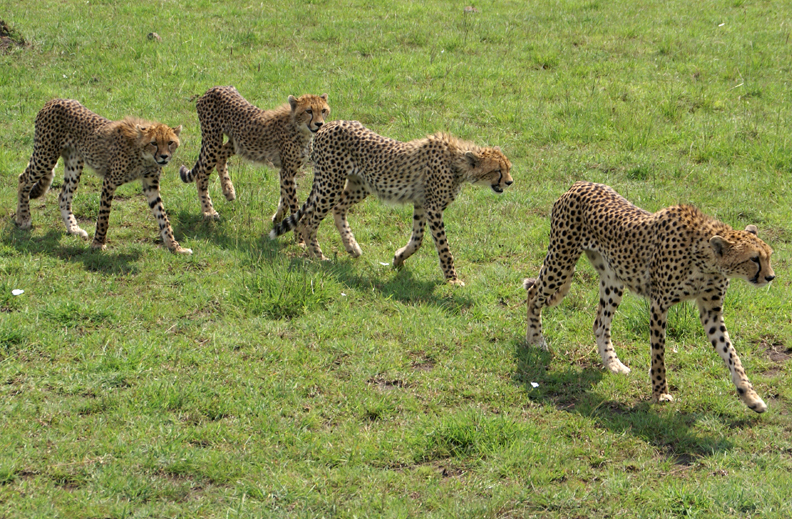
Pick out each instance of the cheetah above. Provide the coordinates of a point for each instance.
(673, 255)
(350, 162)
(119, 152)
(279, 137)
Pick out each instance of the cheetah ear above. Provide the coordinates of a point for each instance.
(324, 96)
(720, 245)
(472, 158)
(177, 130)
(293, 102)
(752, 229)
(140, 130)
(497, 148)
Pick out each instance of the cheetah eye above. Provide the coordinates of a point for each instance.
(309, 111)
(324, 110)
(755, 259)
(170, 143)
(154, 143)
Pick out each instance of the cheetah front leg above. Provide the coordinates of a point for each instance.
(103, 220)
(222, 170)
(419, 222)
(152, 192)
(657, 373)
(71, 179)
(711, 315)
(435, 218)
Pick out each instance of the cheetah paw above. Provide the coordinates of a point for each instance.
(182, 250)
(98, 246)
(79, 232)
(212, 216)
(756, 404)
(616, 366)
(664, 397)
(456, 282)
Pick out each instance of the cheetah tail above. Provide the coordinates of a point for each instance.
(286, 225)
(186, 175)
(41, 187)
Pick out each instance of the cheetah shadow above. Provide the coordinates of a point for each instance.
(403, 287)
(105, 262)
(571, 390)
(347, 271)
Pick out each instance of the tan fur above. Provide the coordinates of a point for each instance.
(119, 152)
(673, 255)
(351, 162)
(280, 138)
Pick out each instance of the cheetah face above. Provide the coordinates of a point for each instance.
(158, 142)
(489, 167)
(309, 111)
(741, 254)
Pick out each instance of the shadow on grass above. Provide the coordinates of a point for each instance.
(571, 390)
(105, 262)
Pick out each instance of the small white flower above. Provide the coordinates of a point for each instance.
(534, 384)
(721, 25)
(343, 294)
(383, 264)
(17, 292)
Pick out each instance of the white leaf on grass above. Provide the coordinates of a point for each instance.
(17, 292)
(343, 294)
(534, 384)
(383, 264)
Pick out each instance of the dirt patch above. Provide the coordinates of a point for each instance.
(776, 351)
(10, 38)
(387, 385)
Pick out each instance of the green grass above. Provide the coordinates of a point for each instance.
(248, 381)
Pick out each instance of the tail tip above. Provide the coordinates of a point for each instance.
(528, 283)
(273, 234)
(184, 173)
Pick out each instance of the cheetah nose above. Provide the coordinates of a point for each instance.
(318, 125)
(509, 182)
(769, 278)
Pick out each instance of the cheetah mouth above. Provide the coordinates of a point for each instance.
(497, 189)
(162, 162)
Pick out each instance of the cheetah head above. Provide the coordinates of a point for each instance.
(309, 111)
(158, 141)
(489, 167)
(741, 254)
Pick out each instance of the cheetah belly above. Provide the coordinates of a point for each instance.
(613, 273)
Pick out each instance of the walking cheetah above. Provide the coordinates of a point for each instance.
(673, 255)
(119, 152)
(279, 137)
(351, 162)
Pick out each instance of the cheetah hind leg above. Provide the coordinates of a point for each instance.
(222, 170)
(73, 171)
(539, 296)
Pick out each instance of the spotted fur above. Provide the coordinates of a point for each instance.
(280, 138)
(119, 152)
(673, 255)
(351, 162)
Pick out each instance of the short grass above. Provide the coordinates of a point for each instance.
(249, 381)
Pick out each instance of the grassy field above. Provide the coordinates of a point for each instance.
(249, 381)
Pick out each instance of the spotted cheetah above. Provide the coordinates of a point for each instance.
(350, 162)
(673, 255)
(119, 152)
(279, 137)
